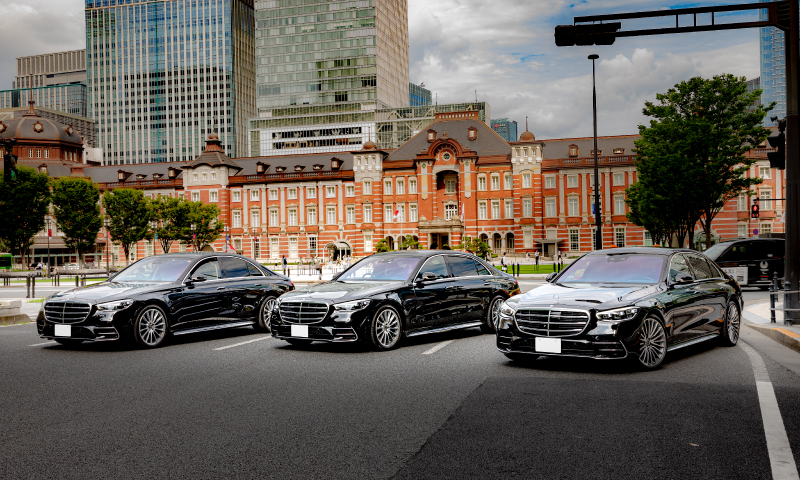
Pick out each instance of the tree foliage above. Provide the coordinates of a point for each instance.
(24, 204)
(204, 218)
(382, 246)
(475, 246)
(76, 208)
(691, 158)
(408, 243)
(171, 215)
(129, 213)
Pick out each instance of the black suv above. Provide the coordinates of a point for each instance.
(751, 262)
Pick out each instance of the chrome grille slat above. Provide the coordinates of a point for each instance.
(66, 312)
(303, 312)
(553, 322)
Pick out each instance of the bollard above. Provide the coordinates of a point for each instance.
(33, 287)
(77, 280)
(27, 287)
(773, 287)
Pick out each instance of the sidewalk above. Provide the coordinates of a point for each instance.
(756, 316)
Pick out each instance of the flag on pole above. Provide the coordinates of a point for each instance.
(396, 213)
(462, 213)
(783, 217)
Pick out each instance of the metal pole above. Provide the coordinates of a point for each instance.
(597, 214)
(773, 286)
(792, 196)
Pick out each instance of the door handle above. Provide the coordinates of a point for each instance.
(452, 287)
(220, 288)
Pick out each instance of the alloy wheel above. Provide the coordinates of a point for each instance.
(266, 313)
(653, 343)
(387, 328)
(495, 312)
(733, 323)
(152, 327)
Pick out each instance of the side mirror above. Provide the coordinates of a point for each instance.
(683, 279)
(426, 277)
(198, 278)
(549, 278)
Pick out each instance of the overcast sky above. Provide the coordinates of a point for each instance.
(504, 49)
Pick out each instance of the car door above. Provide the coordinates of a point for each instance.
(469, 297)
(769, 255)
(711, 294)
(200, 304)
(433, 296)
(241, 289)
(682, 306)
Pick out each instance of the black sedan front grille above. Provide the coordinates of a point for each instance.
(303, 312)
(66, 312)
(555, 322)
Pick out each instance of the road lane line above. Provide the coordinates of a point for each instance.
(780, 451)
(40, 344)
(438, 347)
(244, 343)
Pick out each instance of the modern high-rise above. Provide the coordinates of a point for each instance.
(323, 62)
(418, 95)
(505, 128)
(163, 74)
(61, 68)
(773, 69)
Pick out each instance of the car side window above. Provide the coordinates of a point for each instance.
(678, 266)
(436, 266)
(462, 266)
(234, 267)
(209, 269)
(482, 270)
(715, 270)
(701, 268)
(254, 271)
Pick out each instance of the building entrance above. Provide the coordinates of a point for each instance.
(440, 241)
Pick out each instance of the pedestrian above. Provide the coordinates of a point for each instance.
(536, 259)
(285, 264)
(317, 266)
(527, 256)
(39, 269)
(503, 265)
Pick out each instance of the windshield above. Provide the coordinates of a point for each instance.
(384, 267)
(626, 268)
(716, 250)
(154, 269)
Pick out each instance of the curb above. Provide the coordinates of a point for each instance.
(14, 319)
(784, 336)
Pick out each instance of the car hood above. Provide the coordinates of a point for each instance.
(587, 296)
(106, 291)
(334, 292)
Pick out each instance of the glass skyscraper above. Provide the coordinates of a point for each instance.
(418, 95)
(163, 74)
(65, 98)
(323, 62)
(773, 69)
(505, 128)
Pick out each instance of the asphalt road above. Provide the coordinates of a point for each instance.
(237, 404)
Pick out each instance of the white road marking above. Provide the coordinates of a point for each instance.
(780, 452)
(244, 343)
(40, 344)
(438, 347)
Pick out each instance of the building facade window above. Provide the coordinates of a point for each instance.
(527, 238)
(765, 199)
(256, 247)
(764, 172)
(496, 208)
(401, 186)
(237, 219)
(572, 206)
(331, 215)
(619, 205)
(648, 239)
(293, 253)
(330, 192)
(572, 181)
(350, 214)
(274, 248)
(741, 202)
(213, 196)
(311, 192)
(574, 240)
(195, 196)
(450, 185)
(350, 191)
(509, 209)
(387, 187)
(619, 236)
(292, 217)
(401, 212)
(495, 181)
(367, 187)
(451, 211)
(527, 207)
(526, 180)
(549, 181)
(205, 177)
(311, 215)
(741, 230)
(291, 193)
(213, 175)
(481, 182)
(312, 244)
(550, 207)
(388, 213)
(412, 186)
(367, 242)
(482, 211)
(412, 213)
(237, 196)
(254, 194)
(619, 178)
(273, 218)
(368, 213)
(766, 229)
(255, 218)
(508, 181)
(273, 194)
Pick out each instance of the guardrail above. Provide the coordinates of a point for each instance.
(774, 292)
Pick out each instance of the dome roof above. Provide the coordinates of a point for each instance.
(527, 137)
(370, 145)
(33, 128)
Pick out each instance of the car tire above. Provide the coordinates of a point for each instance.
(299, 343)
(151, 328)
(69, 342)
(652, 344)
(520, 357)
(385, 328)
(264, 315)
(492, 316)
(729, 333)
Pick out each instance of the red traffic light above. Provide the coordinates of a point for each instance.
(754, 211)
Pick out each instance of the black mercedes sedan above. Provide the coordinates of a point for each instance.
(388, 296)
(624, 302)
(163, 295)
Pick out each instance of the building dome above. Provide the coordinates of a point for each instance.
(370, 145)
(33, 128)
(527, 137)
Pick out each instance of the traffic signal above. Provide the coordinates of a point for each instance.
(584, 35)
(754, 211)
(777, 159)
(9, 167)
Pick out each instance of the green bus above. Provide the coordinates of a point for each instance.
(5, 261)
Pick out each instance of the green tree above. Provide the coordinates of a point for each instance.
(408, 243)
(171, 215)
(475, 246)
(129, 214)
(696, 143)
(24, 204)
(207, 229)
(382, 246)
(76, 208)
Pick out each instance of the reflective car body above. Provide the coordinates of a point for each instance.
(599, 305)
(195, 292)
(428, 290)
(752, 262)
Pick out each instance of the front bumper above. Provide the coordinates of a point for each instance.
(317, 333)
(92, 329)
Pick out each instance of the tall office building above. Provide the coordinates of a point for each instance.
(322, 63)
(61, 68)
(773, 69)
(418, 95)
(163, 74)
(505, 128)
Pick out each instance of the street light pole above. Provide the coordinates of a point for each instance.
(47, 264)
(226, 229)
(107, 223)
(194, 236)
(597, 215)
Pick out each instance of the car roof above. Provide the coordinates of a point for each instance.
(738, 240)
(423, 253)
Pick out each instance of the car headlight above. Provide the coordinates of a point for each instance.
(507, 310)
(618, 314)
(351, 306)
(114, 306)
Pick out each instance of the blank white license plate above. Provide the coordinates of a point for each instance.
(63, 330)
(548, 345)
(300, 330)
